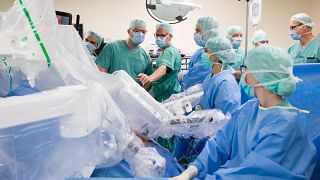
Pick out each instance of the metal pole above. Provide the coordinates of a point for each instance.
(247, 28)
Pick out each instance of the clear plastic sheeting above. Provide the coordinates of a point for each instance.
(147, 114)
(144, 161)
(72, 122)
(198, 124)
(39, 133)
(182, 103)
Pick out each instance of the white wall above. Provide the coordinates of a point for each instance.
(111, 17)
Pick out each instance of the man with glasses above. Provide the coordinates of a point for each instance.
(126, 54)
(306, 49)
(165, 78)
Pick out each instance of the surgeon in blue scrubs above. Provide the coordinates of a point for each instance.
(265, 138)
(206, 28)
(221, 91)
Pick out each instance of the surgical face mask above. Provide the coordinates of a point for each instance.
(137, 38)
(90, 47)
(236, 42)
(295, 36)
(249, 90)
(198, 40)
(161, 42)
(205, 60)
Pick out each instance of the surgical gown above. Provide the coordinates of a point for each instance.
(221, 91)
(308, 54)
(195, 58)
(259, 143)
(197, 72)
(118, 56)
(168, 84)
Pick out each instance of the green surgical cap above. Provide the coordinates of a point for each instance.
(304, 19)
(233, 29)
(207, 23)
(98, 37)
(258, 36)
(209, 27)
(269, 59)
(166, 27)
(138, 23)
(223, 50)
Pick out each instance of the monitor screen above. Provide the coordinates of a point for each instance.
(64, 18)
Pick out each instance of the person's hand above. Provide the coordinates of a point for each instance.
(190, 173)
(144, 79)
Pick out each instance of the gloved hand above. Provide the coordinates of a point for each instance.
(190, 173)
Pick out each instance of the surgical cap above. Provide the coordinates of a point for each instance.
(258, 36)
(97, 36)
(222, 49)
(275, 65)
(233, 29)
(138, 23)
(166, 27)
(209, 27)
(304, 19)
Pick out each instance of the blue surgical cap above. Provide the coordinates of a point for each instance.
(209, 27)
(258, 36)
(138, 23)
(166, 27)
(304, 19)
(97, 36)
(233, 29)
(222, 49)
(276, 69)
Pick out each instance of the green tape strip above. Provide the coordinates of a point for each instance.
(4, 60)
(35, 32)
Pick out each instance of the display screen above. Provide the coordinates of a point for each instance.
(64, 18)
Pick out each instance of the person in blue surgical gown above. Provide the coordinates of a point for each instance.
(265, 138)
(206, 28)
(221, 91)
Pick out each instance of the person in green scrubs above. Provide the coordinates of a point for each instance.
(234, 34)
(306, 50)
(127, 54)
(164, 79)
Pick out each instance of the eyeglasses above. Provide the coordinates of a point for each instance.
(294, 27)
(264, 42)
(139, 30)
(160, 35)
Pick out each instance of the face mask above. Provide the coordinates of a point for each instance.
(205, 60)
(294, 35)
(198, 40)
(161, 42)
(236, 43)
(137, 38)
(90, 47)
(249, 90)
